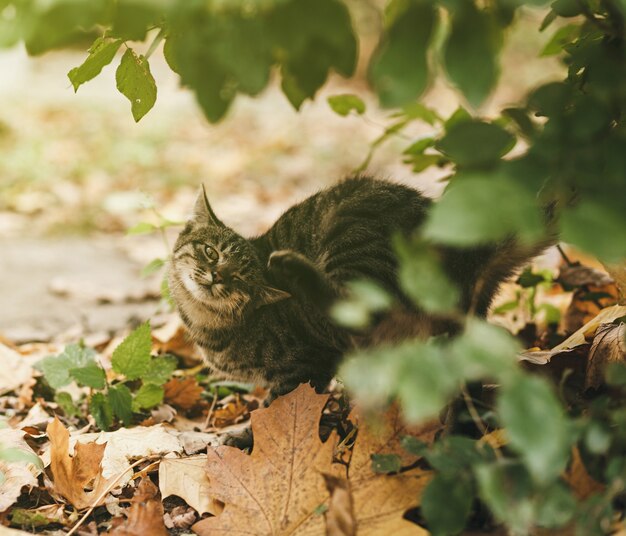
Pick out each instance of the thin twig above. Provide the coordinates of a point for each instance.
(210, 413)
(476, 417)
(567, 260)
(103, 494)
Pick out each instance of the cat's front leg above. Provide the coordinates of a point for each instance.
(301, 277)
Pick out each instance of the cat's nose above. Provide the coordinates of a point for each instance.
(217, 277)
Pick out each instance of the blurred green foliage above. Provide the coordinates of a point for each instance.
(570, 154)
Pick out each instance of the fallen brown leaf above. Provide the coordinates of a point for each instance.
(183, 394)
(232, 413)
(577, 274)
(579, 479)
(145, 515)
(278, 488)
(380, 501)
(173, 338)
(71, 475)
(187, 479)
(609, 346)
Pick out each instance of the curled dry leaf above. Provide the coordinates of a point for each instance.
(186, 478)
(18, 472)
(71, 475)
(232, 413)
(577, 275)
(278, 488)
(579, 480)
(609, 346)
(145, 515)
(180, 517)
(183, 394)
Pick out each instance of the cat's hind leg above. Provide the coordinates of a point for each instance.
(301, 277)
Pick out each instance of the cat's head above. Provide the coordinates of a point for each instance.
(216, 270)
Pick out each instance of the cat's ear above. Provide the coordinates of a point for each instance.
(268, 295)
(202, 211)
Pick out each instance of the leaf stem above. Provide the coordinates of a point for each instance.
(155, 43)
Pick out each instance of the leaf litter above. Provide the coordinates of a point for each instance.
(302, 476)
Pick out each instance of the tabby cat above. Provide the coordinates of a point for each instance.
(258, 308)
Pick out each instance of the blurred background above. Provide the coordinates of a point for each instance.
(76, 172)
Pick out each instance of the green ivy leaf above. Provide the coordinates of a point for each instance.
(134, 80)
(65, 402)
(344, 104)
(423, 280)
(476, 143)
(121, 403)
(148, 396)
(142, 228)
(100, 409)
(471, 52)
(386, 463)
(101, 53)
(152, 267)
(132, 356)
(455, 220)
(446, 503)
(485, 351)
(160, 370)
(536, 426)
(506, 488)
(399, 68)
(56, 369)
(91, 375)
(563, 36)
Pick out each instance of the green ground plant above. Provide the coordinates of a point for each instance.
(564, 143)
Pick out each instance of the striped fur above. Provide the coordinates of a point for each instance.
(257, 308)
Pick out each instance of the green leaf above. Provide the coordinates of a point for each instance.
(132, 356)
(484, 351)
(418, 147)
(59, 23)
(121, 403)
(563, 36)
(446, 503)
(476, 143)
(471, 52)
(101, 53)
(399, 67)
(386, 463)
(142, 228)
(13, 454)
(310, 38)
(423, 280)
(529, 279)
(65, 402)
(592, 226)
(506, 488)
(556, 506)
(134, 80)
(536, 426)
(459, 115)
(91, 375)
(414, 446)
(160, 370)
(507, 208)
(148, 396)
(100, 409)
(56, 369)
(417, 110)
(152, 267)
(344, 104)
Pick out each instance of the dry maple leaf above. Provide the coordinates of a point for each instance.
(582, 484)
(340, 518)
(145, 515)
(72, 474)
(183, 394)
(278, 488)
(380, 501)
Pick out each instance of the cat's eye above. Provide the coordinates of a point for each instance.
(210, 253)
